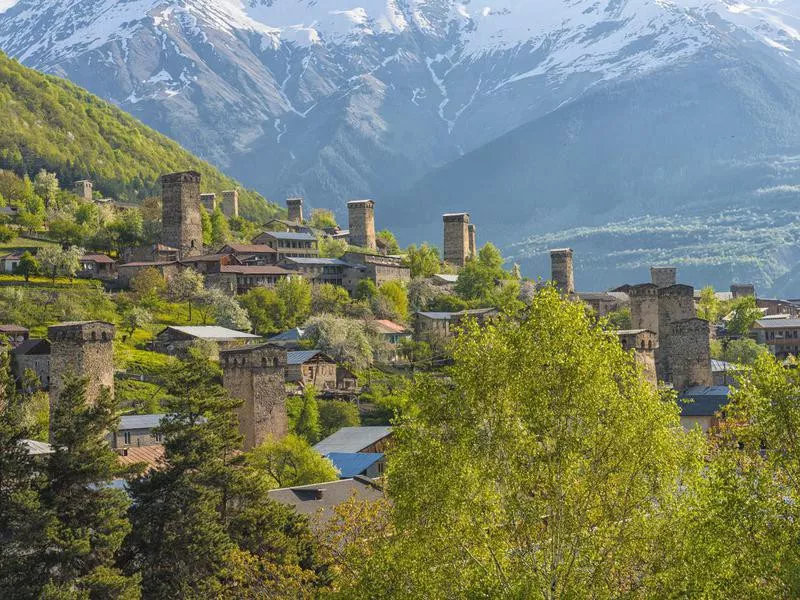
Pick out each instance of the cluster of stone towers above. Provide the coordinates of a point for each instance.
(460, 239)
(666, 308)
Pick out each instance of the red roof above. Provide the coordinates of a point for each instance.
(152, 456)
(98, 258)
(390, 326)
(255, 270)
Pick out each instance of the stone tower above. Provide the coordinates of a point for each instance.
(256, 375)
(675, 303)
(180, 206)
(741, 290)
(294, 206)
(83, 189)
(644, 306)
(562, 274)
(362, 223)
(82, 349)
(663, 276)
(473, 240)
(230, 203)
(456, 238)
(643, 343)
(209, 201)
(690, 353)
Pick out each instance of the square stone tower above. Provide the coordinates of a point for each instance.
(83, 189)
(230, 203)
(180, 209)
(456, 238)
(742, 290)
(294, 207)
(256, 375)
(690, 353)
(473, 240)
(362, 223)
(561, 269)
(643, 343)
(644, 306)
(663, 276)
(82, 349)
(209, 201)
(675, 304)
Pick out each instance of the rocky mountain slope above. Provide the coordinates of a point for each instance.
(336, 99)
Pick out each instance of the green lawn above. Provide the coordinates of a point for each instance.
(20, 243)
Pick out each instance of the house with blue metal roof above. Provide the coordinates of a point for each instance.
(703, 406)
(353, 464)
(289, 243)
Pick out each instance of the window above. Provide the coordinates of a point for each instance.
(126, 436)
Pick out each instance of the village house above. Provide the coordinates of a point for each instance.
(10, 262)
(353, 464)
(323, 270)
(176, 340)
(311, 367)
(210, 263)
(136, 431)
(33, 354)
(289, 244)
(290, 339)
(158, 253)
(349, 440)
(379, 269)
(128, 271)
(240, 279)
(432, 326)
(773, 306)
(444, 280)
(285, 225)
(724, 373)
(97, 266)
(780, 336)
(251, 254)
(703, 406)
(604, 303)
(14, 334)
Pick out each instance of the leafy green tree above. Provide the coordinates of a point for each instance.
(186, 286)
(345, 340)
(208, 228)
(128, 228)
(423, 260)
(55, 261)
(78, 552)
(322, 219)
(307, 423)
(65, 230)
(479, 277)
(388, 238)
(220, 229)
(226, 310)
(291, 461)
(366, 290)
(87, 214)
(31, 220)
(265, 309)
(395, 296)
(327, 298)
(335, 414)
(203, 523)
(620, 319)
(709, 307)
(135, 318)
(6, 234)
(544, 467)
(745, 313)
(148, 283)
(28, 266)
(295, 292)
(331, 247)
(45, 185)
(421, 293)
(744, 351)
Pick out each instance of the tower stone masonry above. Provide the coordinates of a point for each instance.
(644, 307)
(643, 343)
(561, 268)
(690, 353)
(473, 240)
(83, 189)
(230, 203)
(456, 238)
(663, 276)
(361, 214)
(675, 303)
(209, 202)
(742, 290)
(180, 207)
(256, 375)
(294, 206)
(81, 349)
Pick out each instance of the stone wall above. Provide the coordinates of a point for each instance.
(644, 306)
(257, 377)
(180, 206)
(562, 273)
(230, 203)
(473, 240)
(643, 343)
(209, 201)
(362, 223)
(456, 238)
(294, 207)
(690, 353)
(663, 276)
(741, 290)
(83, 189)
(675, 303)
(83, 349)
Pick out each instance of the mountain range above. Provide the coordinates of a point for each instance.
(637, 131)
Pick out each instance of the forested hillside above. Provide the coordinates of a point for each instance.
(49, 123)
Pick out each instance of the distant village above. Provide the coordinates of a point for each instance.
(657, 321)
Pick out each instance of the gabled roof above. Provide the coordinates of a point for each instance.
(352, 439)
(702, 401)
(387, 326)
(291, 236)
(250, 248)
(162, 263)
(298, 357)
(255, 270)
(350, 464)
(33, 346)
(720, 366)
(139, 422)
(152, 456)
(446, 277)
(777, 323)
(213, 333)
(446, 316)
(98, 258)
(12, 328)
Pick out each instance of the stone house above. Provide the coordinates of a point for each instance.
(33, 354)
(128, 271)
(98, 266)
(176, 341)
(356, 439)
(251, 254)
(14, 334)
(603, 303)
(703, 406)
(323, 270)
(239, 279)
(210, 263)
(289, 243)
(780, 336)
(433, 326)
(379, 269)
(311, 367)
(136, 431)
(724, 373)
(771, 307)
(10, 262)
(152, 253)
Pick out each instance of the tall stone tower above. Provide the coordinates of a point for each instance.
(82, 349)
(209, 201)
(644, 306)
(675, 304)
(741, 290)
(690, 353)
(643, 343)
(456, 238)
(230, 203)
(256, 375)
(362, 223)
(83, 189)
(473, 240)
(561, 269)
(180, 206)
(294, 207)
(663, 276)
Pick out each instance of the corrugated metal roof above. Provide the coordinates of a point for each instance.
(300, 260)
(352, 439)
(720, 366)
(350, 464)
(292, 335)
(777, 323)
(700, 401)
(213, 333)
(291, 235)
(139, 422)
(37, 448)
(298, 357)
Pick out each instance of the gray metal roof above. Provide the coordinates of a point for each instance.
(291, 335)
(301, 260)
(298, 357)
(352, 439)
(36, 448)
(701, 401)
(291, 235)
(720, 366)
(139, 422)
(212, 332)
(777, 323)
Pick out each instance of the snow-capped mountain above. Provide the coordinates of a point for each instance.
(346, 98)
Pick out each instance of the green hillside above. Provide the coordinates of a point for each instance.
(49, 123)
